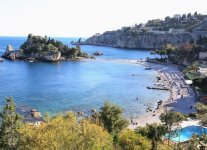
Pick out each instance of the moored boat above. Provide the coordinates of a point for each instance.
(30, 59)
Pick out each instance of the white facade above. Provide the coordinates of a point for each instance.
(203, 55)
(177, 16)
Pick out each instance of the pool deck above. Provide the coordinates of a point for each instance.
(189, 122)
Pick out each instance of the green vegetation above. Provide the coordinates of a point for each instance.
(129, 140)
(202, 113)
(112, 119)
(154, 133)
(37, 45)
(65, 132)
(101, 131)
(171, 119)
(179, 22)
(10, 123)
(186, 54)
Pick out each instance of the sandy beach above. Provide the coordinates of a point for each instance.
(181, 96)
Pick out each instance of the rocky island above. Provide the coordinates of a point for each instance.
(155, 33)
(44, 49)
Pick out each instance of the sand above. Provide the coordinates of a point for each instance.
(181, 97)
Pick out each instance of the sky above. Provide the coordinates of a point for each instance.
(84, 18)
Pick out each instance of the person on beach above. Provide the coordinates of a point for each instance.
(182, 96)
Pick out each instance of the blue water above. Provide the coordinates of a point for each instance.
(78, 86)
(187, 132)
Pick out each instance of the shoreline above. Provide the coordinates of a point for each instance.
(181, 96)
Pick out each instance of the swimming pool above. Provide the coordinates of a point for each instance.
(186, 133)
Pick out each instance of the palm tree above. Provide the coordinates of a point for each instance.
(153, 132)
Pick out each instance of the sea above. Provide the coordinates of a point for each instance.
(82, 85)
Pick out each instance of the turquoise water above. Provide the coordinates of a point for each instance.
(78, 86)
(187, 132)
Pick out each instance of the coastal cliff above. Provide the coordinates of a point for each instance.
(44, 49)
(155, 33)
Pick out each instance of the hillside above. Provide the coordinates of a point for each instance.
(155, 33)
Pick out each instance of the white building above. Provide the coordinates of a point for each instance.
(177, 16)
(203, 55)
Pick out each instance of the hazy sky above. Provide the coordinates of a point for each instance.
(85, 17)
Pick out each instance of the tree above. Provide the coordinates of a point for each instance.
(196, 14)
(201, 108)
(161, 52)
(184, 16)
(189, 15)
(185, 52)
(202, 113)
(167, 19)
(9, 126)
(192, 145)
(169, 50)
(129, 140)
(170, 119)
(65, 132)
(153, 132)
(111, 116)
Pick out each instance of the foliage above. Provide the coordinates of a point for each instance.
(9, 125)
(129, 140)
(202, 113)
(65, 132)
(169, 49)
(43, 45)
(185, 54)
(200, 82)
(111, 116)
(202, 41)
(201, 108)
(171, 119)
(184, 22)
(153, 132)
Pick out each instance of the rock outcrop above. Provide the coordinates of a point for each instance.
(9, 50)
(19, 54)
(9, 53)
(51, 56)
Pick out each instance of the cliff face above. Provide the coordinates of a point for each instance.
(148, 39)
(142, 40)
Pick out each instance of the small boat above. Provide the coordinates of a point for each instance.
(1, 60)
(148, 68)
(97, 53)
(30, 59)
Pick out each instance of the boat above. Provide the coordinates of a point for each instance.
(1, 60)
(148, 68)
(30, 59)
(97, 53)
